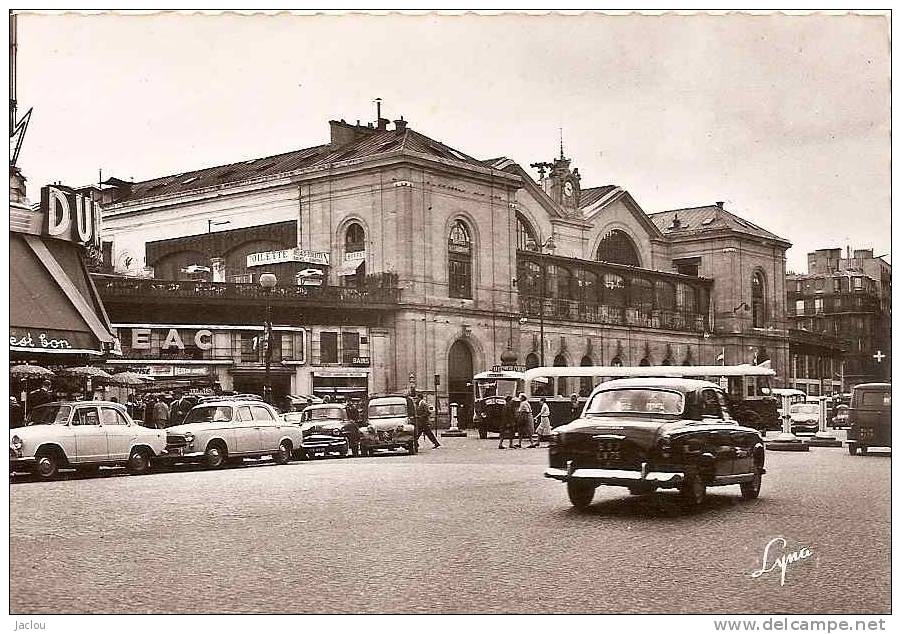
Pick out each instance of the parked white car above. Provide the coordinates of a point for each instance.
(228, 430)
(84, 435)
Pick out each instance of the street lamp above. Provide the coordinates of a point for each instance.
(268, 282)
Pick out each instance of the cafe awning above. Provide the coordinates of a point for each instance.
(54, 307)
(349, 267)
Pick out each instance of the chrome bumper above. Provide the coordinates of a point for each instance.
(625, 477)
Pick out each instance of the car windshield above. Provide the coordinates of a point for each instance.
(327, 413)
(49, 415)
(636, 401)
(386, 410)
(292, 417)
(209, 414)
(495, 387)
(805, 409)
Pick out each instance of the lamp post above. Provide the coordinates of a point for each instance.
(268, 282)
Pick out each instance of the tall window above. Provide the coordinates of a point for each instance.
(350, 346)
(562, 382)
(617, 247)
(354, 239)
(459, 261)
(525, 237)
(585, 383)
(758, 305)
(355, 242)
(328, 347)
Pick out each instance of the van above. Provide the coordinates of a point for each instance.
(870, 417)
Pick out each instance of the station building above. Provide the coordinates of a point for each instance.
(404, 262)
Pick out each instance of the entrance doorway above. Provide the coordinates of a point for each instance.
(459, 380)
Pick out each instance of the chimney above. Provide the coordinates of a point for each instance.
(383, 124)
(400, 125)
(343, 133)
(720, 204)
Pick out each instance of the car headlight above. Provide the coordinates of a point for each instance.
(399, 428)
(483, 415)
(189, 437)
(16, 443)
(665, 447)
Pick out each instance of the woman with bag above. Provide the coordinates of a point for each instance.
(544, 422)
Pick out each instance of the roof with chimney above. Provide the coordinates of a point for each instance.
(693, 220)
(349, 142)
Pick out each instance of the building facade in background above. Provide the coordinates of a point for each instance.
(404, 262)
(841, 312)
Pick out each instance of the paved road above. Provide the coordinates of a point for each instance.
(466, 528)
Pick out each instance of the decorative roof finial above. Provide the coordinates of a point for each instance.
(561, 144)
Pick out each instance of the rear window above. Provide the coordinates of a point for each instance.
(209, 414)
(805, 409)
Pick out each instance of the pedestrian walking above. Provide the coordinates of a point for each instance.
(160, 414)
(544, 421)
(508, 422)
(40, 396)
(525, 421)
(575, 410)
(422, 422)
(16, 413)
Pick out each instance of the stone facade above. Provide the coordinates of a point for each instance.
(451, 229)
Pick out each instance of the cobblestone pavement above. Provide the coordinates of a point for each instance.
(466, 528)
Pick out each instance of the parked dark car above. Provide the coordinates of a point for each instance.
(870, 417)
(648, 434)
(326, 428)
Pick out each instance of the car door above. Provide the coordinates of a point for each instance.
(119, 434)
(247, 431)
(719, 441)
(742, 442)
(90, 436)
(268, 427)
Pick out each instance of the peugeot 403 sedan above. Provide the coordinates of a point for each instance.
(83, 435)
(656, 433)
(215, 433)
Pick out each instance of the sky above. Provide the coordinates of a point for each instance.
(785, 118)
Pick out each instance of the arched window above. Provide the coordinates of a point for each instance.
(525, 237)
(560, 361)
(665, 294)
(758, 304)
(585, 382)
(617, 247)
(354, 271)
(559, 282)
(642, 295)
(354, 239)
(614, 289)
(644, 362)
(616, 362)
(459, 261)
(531, 361)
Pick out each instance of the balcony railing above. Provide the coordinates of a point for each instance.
(572, 310)
(163, 290)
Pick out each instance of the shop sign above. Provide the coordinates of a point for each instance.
(355, 256)
(39, 342)
(287, 255)
(140, 339)
(360, 361)
(70, 216)
(172, 370)
(508, 368)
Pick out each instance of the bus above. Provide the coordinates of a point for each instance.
(751, 397)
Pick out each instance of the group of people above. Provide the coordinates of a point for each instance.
(161, 410)
(40, 396)
(518, 418)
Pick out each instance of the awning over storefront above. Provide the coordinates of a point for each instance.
(54, 307)
(349, 267)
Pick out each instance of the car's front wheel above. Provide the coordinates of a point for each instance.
(750, 490)
(580, 494)
(283, 455)
(694, 491)
(214, 457)
(138, 462)
(47, 465)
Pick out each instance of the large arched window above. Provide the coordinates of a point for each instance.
(525, 237)
(459, 261)
(617, 247)
(560, 361)
(758, 303)
(353, 272)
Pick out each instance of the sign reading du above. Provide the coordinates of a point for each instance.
(70, 216)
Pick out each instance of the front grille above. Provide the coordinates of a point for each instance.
(385, 434)
(176, 440)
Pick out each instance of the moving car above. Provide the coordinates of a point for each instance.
(870, 417)
(804, 417)
(326, 428)
(647, 433)
(85, 435)
(391, 424)
(229, 430)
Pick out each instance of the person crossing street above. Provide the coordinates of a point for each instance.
(422, 422)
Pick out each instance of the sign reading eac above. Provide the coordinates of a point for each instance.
(70, 216)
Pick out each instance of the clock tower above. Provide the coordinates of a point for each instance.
(560, 182)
